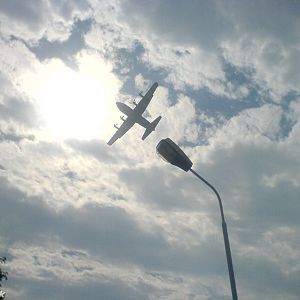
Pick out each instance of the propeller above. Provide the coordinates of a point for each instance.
(116, 126)
(131, 101)
(122, 118)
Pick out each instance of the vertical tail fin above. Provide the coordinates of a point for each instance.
(151, 127)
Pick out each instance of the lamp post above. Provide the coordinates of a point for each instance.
(174, 155)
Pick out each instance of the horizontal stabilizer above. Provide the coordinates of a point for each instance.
(151, 127)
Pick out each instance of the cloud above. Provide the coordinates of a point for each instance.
(29, 13)
(173, 20)
(251, 124)
(96, 149)
(212, 30)
(32, 20)
(14, 109)
(67, 49)
(81, 219)
(183, 128)
(107, 234)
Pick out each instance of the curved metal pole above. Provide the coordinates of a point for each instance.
(226, 239)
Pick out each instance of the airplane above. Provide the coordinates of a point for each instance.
(135, 116)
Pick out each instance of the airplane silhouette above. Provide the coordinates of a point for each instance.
(135, 116)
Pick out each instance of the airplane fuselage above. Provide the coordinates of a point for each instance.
(131, 113)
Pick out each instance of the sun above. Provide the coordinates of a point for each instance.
(76, 104)
(73, 105)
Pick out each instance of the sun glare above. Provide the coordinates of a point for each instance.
(73, 105)
(77, 104)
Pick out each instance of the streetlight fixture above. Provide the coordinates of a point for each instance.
(174, 155)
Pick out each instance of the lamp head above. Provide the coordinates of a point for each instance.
(171, 152)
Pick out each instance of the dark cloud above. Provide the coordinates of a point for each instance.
(20, 215)
(29, 12)
(107, 232)
(15, 107)
(265, 279)
(151, 188)
(18, 110)
(14, 137)
(191, 23)
(64, 50)
(210, 23)
(97, 149)
(58, 289)
(266, 19)
(248, 164)
(112, 235)
(130, 63)
(37, 15)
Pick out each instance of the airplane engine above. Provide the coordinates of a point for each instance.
(122, 118)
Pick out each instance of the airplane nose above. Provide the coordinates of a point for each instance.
(124, 108)
(119, 104)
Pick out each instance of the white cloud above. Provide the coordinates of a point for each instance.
(140, 82)
(273, 64)
(179, 121)
(256, 125)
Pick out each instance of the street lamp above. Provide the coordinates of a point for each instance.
(174, 155)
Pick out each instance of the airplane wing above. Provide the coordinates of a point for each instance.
(127, 124)
(142, 105)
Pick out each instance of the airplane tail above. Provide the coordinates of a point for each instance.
(151, 127)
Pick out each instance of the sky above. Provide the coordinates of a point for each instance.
(83, 220)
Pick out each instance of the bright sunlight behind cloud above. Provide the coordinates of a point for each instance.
(75, 104)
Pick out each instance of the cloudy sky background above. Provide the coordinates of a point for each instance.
(82, 220)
